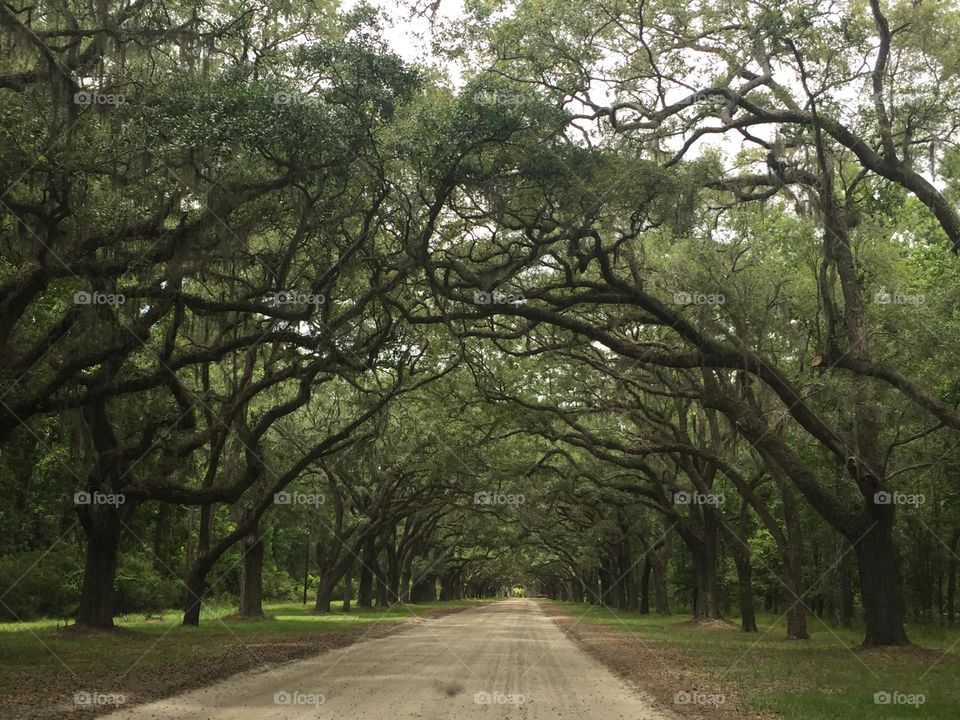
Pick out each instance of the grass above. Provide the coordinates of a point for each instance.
(162, 645)
(824, 677)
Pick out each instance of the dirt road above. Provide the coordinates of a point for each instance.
(504, 660)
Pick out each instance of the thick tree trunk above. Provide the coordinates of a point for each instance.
(197, 569)
(324, 595)
(405, 580)
(593, 591)
(450, 585)
(952, 579)
(794, 592)
(382, 592)
(628, 578)
(327, 580)
(348, 588)
(424, 589)
(251, 577)
(748, 616)
(576, 590)
(393, 579)
(705, 603)
(645, 587)
(879, 582)
(791, 550)
(611, 593)
(704, 553)
(365, 587)
(100, 567)
(196, 590)
(661, 592)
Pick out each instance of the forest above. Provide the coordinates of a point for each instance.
(639, 308)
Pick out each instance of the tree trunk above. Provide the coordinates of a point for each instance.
(879, 582)
(324, 594)
(327, 579)
(405, 580)
(748, 617)
(197, 569)
(611, 591)
(645, 587)
(791, 547)
(704, 553)
(100, 567)
(382, 592)
(952, 579)
(628, 578)
(793, 594)
(251, 577)
(365, 587)
(348, 587)
(661, 593)
(424, 589)
(705, 604)
(196, 590)
(450, 585)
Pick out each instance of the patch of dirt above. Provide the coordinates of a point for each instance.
(663, 673)
(249, 618)
(84, 631)
(49, 695)
(709, 624)
(913, 652)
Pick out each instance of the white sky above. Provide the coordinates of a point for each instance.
(411, 36)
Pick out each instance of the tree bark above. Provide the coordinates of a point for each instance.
(661, 593)
(100, 567)
(324, 594)
(251, 577)
(748, 616)
(382, 591)
(704, 552)
(952, 579)
(365, 587)
(645, 587)
(196, 589)
(879, 582)
(348, 587)
(794, 590)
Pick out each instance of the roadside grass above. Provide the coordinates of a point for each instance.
(158, 653)
(826, 677)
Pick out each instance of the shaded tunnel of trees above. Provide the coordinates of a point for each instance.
(283, 313)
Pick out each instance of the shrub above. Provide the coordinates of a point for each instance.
(40, 583)
(142, 589)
